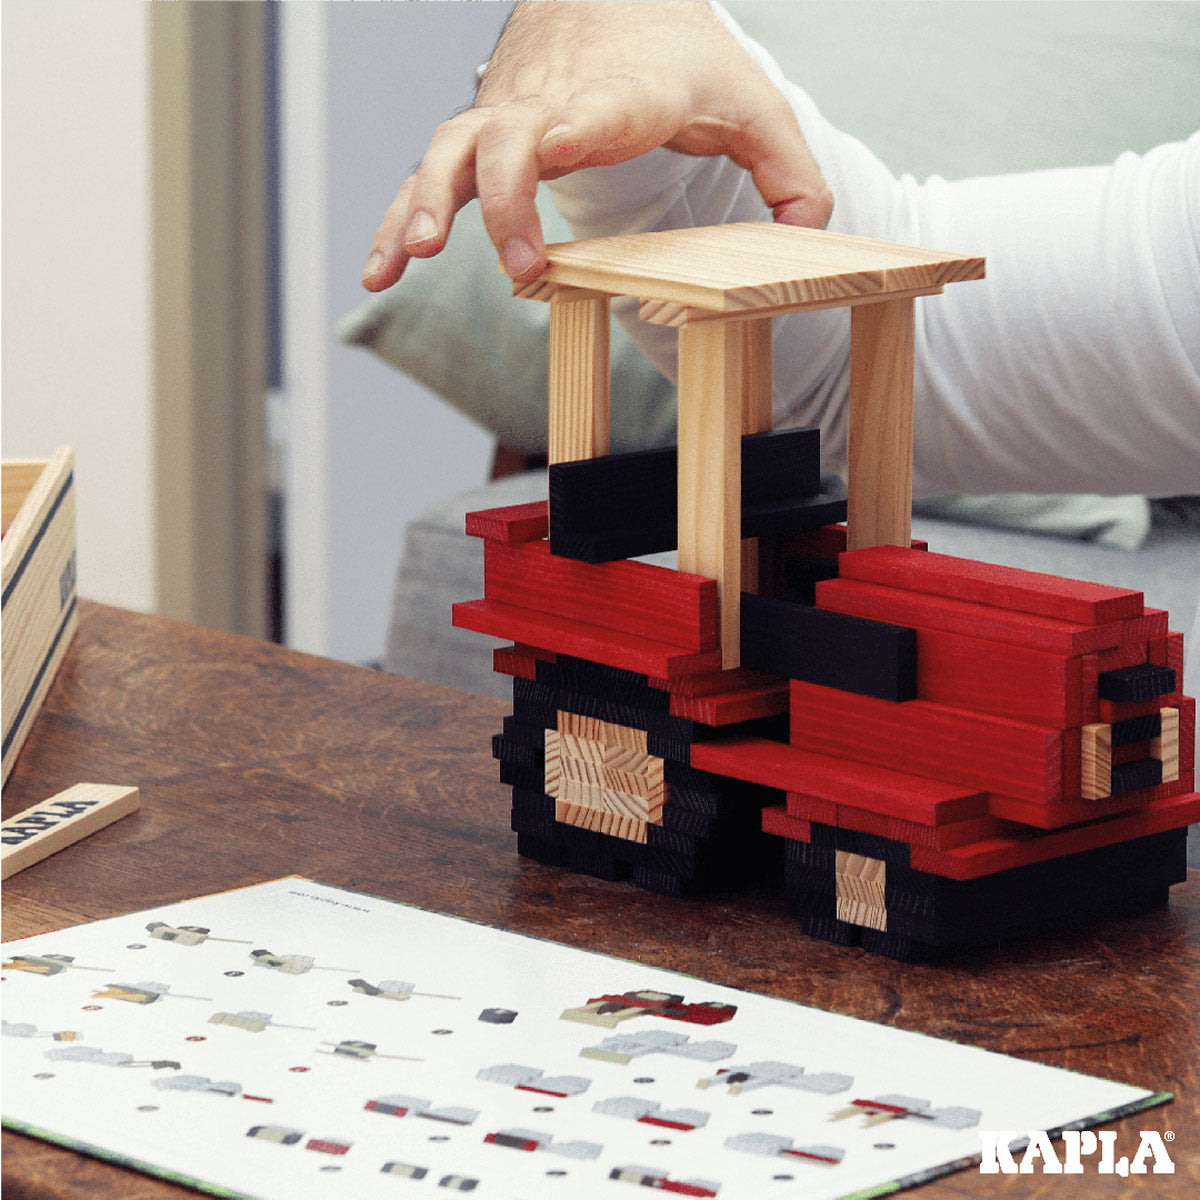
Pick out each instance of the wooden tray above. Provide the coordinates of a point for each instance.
(39, 614)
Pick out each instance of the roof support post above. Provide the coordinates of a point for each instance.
(881, 424)
(579, 377)
(712, 383)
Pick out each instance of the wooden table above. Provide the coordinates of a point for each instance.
(256, 762)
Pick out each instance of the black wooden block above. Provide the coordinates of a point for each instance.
(1133, 776)
(871, 658)
(1129, 685)
(540, 849)
(827, 507)
(625, 505)
(780, 464)
(801, 575)
(1136, 729)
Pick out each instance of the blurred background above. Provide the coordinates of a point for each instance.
(189, 194)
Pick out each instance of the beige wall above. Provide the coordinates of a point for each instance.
(76, 271)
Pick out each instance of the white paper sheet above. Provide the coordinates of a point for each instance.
(299, 1040)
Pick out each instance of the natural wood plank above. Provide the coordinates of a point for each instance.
(662, 312)
(752, 266)
(579, 378)
(1096, 761)
(860, 883)
(881, 425)
(38, 571)
(61, 821)
(19, 476)
(1166, 746)
(599, 820)
(604, 732)
(711, 377)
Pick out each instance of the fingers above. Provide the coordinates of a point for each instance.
(784, 170)
(418, 221)
(387, 259)
(507, 170)
(491, 153)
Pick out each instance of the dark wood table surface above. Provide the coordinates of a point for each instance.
(256, 762)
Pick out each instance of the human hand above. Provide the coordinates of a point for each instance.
(574, 85)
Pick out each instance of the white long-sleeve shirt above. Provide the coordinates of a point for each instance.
(1074, 367)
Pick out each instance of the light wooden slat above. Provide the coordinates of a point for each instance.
(711, 375)
(1165, 747)
(599, 821)
(59, 822)
(38, 571)
(20, 474)
(605, 732)
(751, 266)
(663, 312)
(1096, 761)
(860, 890)
(881, 425)
(590, 795)
(579, 378)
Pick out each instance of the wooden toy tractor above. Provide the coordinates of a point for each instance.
(948, 752)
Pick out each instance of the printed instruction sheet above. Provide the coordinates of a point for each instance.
(298, 1040)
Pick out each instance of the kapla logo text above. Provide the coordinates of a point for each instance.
(1081, 1150)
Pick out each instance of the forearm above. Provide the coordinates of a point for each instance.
(1072, 367)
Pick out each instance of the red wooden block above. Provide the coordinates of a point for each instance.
(1152, 623)
(900, 607)
(991, 677)
(975, 750)
(511, 525)
(631, 597)
(1168, 652)
(607, 646)
(722, 681)
(1114, 710)
(1131, 654)
(520, 661)
(1187, 730)
(1002, 854)
(812, 808)
(938, 837)
(727, 708)
(984, 583)
(891, 792)
(826, 541)
(1061, 813)
(778, 822)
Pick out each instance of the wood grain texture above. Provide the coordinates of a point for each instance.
(637, 598)
(256, 762)
(859, 887)
(38, 570)
(880, 457)
(61, 821)
(987, 583)
(750, 267)
(579, 378)
(711, 381)
(1165, 747)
